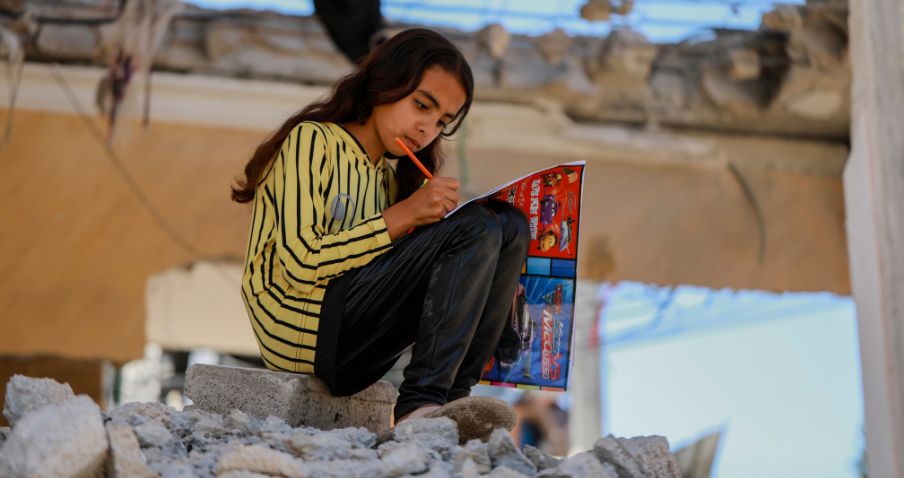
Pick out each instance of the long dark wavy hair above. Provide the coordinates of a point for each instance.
(389, 73)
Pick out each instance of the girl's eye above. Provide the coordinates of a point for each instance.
(420, 105)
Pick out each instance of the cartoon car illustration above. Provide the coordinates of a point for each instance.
(565, 239)
(549, 207)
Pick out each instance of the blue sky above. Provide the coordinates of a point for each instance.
(660, 20)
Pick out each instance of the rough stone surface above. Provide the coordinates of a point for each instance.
(582, 465)
(126, 459)
(540, 458)
(136, 413)
(504, 453)
(653, 455)
(473, 456)
(638, 456)
(295, 398)
(26, 394)
(59, 440)
(259, 459)
(69, 439)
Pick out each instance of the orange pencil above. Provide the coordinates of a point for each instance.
(414, 158)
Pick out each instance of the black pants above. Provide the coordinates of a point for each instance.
(447, 288)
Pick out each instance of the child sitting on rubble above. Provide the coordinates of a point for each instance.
(350, 260)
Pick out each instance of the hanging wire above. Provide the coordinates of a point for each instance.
(127, 177)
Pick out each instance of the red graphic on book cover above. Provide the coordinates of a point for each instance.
(550, 200)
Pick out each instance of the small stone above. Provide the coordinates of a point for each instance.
(259, 459)
(469, 469)
(438, 469)
(319, 447)
(503, 452)
(358, 437)
(474, 452)
(239, 420)
(540, 458)
(126, 459)
(343, 469)
(153, 434)
(654, 456)
(407, 458)
(242, 474)
(174, 469)
(58, 440)
(439, 434)
(582, 465)
(610, 450)
(211, 425)
(505, 472)
(26, 394)
(136, 413)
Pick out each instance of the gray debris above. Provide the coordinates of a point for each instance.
(503, 452)
(26, 394)
(70, 439)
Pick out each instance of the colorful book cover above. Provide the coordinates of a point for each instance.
(536, 349)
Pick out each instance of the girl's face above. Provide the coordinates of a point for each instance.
(421, 116)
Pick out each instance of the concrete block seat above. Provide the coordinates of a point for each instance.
(297, 399)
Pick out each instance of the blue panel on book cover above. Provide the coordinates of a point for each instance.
(546, 326)
(563, 268)
(538, 266)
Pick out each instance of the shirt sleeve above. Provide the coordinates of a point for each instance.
(308, 254)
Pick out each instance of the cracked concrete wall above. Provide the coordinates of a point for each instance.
(792, 77)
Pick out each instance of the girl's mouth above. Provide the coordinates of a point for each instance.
(414, 145)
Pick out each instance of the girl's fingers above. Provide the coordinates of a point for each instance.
(449, 205)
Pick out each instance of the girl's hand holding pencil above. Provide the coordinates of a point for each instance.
(427, 205)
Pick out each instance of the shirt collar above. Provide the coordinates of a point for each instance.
(357, 146)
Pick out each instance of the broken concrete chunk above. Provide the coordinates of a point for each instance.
(297, 399)
(126, 459)
(539, 458)
(59, 440)
(609, 450)
(438, 434)
(319, 447)
(504, 453)
(405, 459)
(505, 472)
(259, 459)
(153, 434)
(654, 456)
(26, 394)
(136, 413)
(475, 453)
(582, 465)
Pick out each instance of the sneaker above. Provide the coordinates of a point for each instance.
(476, 417)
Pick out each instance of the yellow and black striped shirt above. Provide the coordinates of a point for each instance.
(317, 214)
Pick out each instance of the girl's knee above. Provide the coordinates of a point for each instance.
(475, 221)
(514, 224)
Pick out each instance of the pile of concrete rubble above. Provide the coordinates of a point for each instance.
(57, 434)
